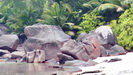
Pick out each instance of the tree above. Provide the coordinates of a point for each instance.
(76, 4)
(110, 9)
(56, 14)
(17, 14)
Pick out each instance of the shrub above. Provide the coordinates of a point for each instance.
(124, 29)
(90, 22)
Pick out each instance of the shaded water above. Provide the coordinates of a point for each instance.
(12, 68)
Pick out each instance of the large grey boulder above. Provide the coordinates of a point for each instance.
(45, 37)
(107, 36)
(75, 50)
(8, 42)
(49, 32)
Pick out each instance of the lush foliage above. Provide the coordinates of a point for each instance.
(76, 4)
(124, 29)
(56, 14)
(17, 14)
(90, 22)
(110, 9)
(74, 16)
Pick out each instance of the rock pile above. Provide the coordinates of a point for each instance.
(53, 43)
(99, 42)
(45, 37)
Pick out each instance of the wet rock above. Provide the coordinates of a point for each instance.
(8, 48)
(107, 36)
(2, 52)
(115, 59)
(51, 62)
(63, 58)
(36, 56)
(7, 56)
(17, 54)
(78, 63)
(30, 56)
(92, 72)
(39, 56)
(14, 56)
(45, 37)
(118, 49)
(9, 42)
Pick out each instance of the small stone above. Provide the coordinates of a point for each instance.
(115, 59)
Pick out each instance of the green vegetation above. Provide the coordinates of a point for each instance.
(74, 16)
(17, 14)
(124, 29)
(90, 22)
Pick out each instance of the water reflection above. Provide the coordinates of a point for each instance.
(29, 69)
(36, 67)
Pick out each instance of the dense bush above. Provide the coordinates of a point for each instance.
(124, 29)
(76, 4)
(17, 14)
(90, 22)
(59, 14)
